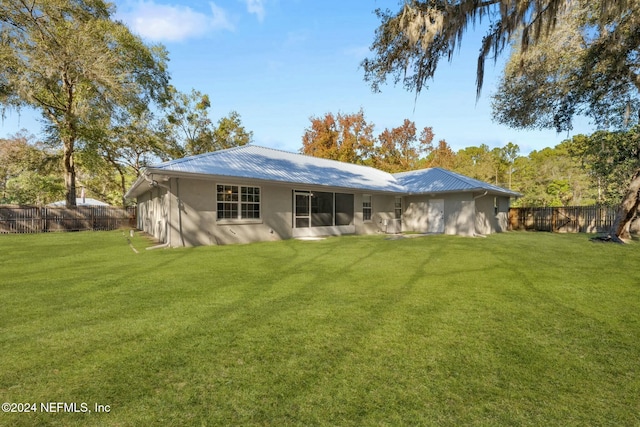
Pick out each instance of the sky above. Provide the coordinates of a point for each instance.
(280, 62)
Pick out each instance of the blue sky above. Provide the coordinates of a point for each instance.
(279, 62)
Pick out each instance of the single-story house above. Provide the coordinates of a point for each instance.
(251, 193)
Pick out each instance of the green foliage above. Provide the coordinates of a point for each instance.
(546, 85)
(495, 165)
(230, 133)
(553, 177)
(186, 128)
(529, 330)
(611, 158)
(410, 42)
(29, 172)
(72, 62)
(31, 188)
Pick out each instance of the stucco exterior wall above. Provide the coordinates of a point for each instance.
(153, 213)
(195, 215)
(503, 214)
(458, 216)
(487, 219)
(382, 217)
(183, 212)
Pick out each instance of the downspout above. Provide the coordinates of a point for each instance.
(179, 211)
(480, 195)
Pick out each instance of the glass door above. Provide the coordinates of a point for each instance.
(302, 209)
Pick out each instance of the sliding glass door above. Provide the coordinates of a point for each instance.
(322, 209)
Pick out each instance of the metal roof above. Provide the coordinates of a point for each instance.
(268, 164)
(437, 180)
(88, 201)
(255, 162)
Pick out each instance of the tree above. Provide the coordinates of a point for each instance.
(547, 84)
(552, 177)
(188, 130)
(70, 61)
(116, 151)
(344, 137)
(475, 162)
(596, 72)
(400, 148)
(230, 132)
(613, 159)
(29, 173)
(510, 154)
(187, 127)
(442, 156)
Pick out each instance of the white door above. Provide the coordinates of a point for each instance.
(435, 215)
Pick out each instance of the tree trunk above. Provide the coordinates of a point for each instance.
(627, 210)
(123, 186)
(69, 174)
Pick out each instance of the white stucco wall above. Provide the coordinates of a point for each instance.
(487, 219)
(153, 213)
(185, 213)
(459, 213)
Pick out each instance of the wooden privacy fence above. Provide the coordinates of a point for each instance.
(572, 219)
(36, 219)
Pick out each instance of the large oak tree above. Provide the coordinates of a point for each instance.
(577, 57)
(71, 61)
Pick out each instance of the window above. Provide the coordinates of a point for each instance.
(366, 207)
(238, 202)
(398, 208)
(250, 202)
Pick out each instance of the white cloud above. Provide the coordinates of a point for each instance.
(163, 22)
(256, 7)
(220, 20)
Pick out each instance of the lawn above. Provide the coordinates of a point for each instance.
(513, 329)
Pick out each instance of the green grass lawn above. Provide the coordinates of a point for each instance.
(515, 329)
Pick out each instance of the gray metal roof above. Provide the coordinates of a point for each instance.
(437, 180)
(88, 201)
(255, 162)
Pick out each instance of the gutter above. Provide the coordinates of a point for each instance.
(481, 195)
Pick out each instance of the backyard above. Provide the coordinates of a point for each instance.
(513, 329)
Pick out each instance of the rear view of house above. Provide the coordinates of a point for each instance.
(251, 193)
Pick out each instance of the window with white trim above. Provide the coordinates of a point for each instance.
(398, 208)
(367, 208)
(238, 202)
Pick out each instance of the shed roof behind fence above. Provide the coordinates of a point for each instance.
(88, 201)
